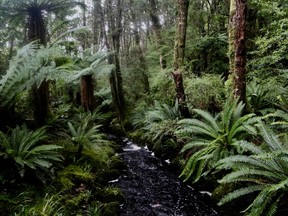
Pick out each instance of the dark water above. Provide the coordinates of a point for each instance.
(150, 188)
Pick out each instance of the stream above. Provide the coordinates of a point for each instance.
(151, 189)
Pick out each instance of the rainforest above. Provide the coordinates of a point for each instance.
(144, 107)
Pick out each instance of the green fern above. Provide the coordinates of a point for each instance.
(158, 122)
(213, 138)
(258, 96)
(32, 65)
(49, 205)
(25, 148)
(265, 171)
(85, 136)
(92, 64)
(73, 173)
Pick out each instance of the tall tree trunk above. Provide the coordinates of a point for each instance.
(143, 64)
(156, 26)
(231, 37)
(87, 82)
(114, 23)
(37, 31)
(240, 51)
(179, 52)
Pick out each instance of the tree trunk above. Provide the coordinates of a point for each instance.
(180, 93)
(37, 31)
(42, 109)
(240, 51)
(179, 52)
(86, 83)
(114, 24)
(231, 36)
(156, 26)
(87, 93)
(143, 64)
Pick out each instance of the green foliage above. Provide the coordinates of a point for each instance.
(270, 55)
(95, 209)
(162, 86)
(32, 65)
(26, 149)
(208, 54)
(157, 113)
(157, 125)
(48, 206)
(92, 64)
(261, 171)
(158, 122)
(83, 135)
(206, 92)
(258, 96)
(213, 138)
(74, 174)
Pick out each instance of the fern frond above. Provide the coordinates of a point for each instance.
(240, 192)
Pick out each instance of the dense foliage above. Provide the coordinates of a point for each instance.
(93, 66)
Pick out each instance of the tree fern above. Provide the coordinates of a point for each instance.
(213, 138)
(93, 64)
(29, 67)
(265, 170)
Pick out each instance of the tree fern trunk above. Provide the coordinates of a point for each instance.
(87, 93)
(37, 31)
(87, 82)
(42, 109)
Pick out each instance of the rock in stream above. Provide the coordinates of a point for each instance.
(151, 189)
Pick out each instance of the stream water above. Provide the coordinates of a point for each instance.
(150, 188)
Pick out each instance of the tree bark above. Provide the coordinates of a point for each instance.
(180, 38)
(87, 93)
(143, 64)
(240, 51)
(179, 53)
(156, 27)
(37, 31)
(231, 36)
(114, 24)
(87, 82)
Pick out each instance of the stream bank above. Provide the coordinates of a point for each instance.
(151, 189)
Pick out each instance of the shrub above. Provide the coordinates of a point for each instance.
(206, 92)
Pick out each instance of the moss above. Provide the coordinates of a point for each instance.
(111, 209)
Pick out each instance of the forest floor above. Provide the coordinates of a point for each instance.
(151, 189)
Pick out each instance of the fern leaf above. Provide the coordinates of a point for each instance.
(240, 192)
